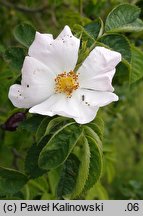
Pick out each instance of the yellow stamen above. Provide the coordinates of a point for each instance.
(66, 83)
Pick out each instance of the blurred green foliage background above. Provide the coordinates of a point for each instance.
(123, 136)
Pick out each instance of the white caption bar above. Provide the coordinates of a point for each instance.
(68, 207)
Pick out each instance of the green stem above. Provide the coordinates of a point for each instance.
(27, 197)
(81, 7)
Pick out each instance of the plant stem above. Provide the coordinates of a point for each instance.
(81, 7)
(27, 192)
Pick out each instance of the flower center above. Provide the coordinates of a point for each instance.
(66, 83)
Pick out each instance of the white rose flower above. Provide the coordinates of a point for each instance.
(50, 86)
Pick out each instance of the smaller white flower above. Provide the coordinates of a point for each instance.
(50, 86)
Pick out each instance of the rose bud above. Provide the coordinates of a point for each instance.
(13, 121)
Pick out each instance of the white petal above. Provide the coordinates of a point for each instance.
(24, 98)
(36, 86)
(99, 83)
(70, 107)
(58, 55)
(87, 114)
(84, 113)
(99, 61)
(97, 98)
(36, 73)
(56, 104)
(17, 98)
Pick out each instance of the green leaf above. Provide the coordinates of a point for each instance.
(11, 181)
(118, 43)
(24, 34)
(95, 168)
(31, 124)
(57, 123)
(31, 161)
(89, 32)
(84, 157)
(124, 18)
(42, 128)
(53, 179)
(59, 146)
(122, 74)
(135, 26)
(96, 129)
(94, 29)
(88, 131)
(137, 65)
(14, 56)
(99, 122)
(36, 187)
(97, 125)
(68, 176)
